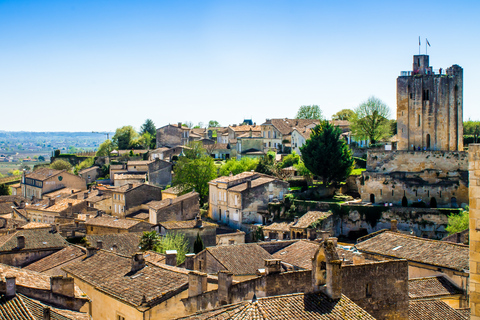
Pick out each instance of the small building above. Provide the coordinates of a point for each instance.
(237, 237)
(434, 309)
(52, 264)
(130, 197)
(437, 287)
(121, 243)
(107, 224)
(44, 180)
(172, 192)
(305, 227)
(125, 178)
(185, 207)
(191, 229)
(243, 260)
(90, 174)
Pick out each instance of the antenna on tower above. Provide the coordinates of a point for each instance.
(419, 44)
(427, 43)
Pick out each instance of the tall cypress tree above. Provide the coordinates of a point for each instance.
(198, 244)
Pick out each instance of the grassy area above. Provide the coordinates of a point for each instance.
(357, 172)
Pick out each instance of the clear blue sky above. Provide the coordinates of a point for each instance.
(98, 65)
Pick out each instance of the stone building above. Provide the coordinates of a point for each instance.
(107, 224)
(305, 227)
(430, 107)
(90, 174)
(191, 229)
(173, 135)
(44, 180)
(242, 199)
(474, 237)
(130, 198)
(52, 264)
(184, 207)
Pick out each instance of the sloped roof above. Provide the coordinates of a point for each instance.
(305, 306)
(310, 217)
(43, 173)
(22, 307)
(286, 126)
(36, 225)
(432, 252)
(111, 273)
(254, 183)
(55, 259)
(188, 224)
(299, 254)
(279, 226)
(431, 287)
(241, 259)
(239, 176)
(121, 243)
(93, 168)
(245, 128)
(112, 222)
(34, 239)
(169, 201)
(432, 310)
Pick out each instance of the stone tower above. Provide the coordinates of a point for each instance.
(430, 107)
(474, 233)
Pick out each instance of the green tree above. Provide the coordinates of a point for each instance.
(326, 155)
(87, 163)
(290, 160)
(238, 166)
(145, 140)
(458, 222)
(344, 114)
(149, 241)
(370, 120)
(124, 137)
(195, 174)
(41, 158)
(149, 127)
(309, 112)
(105, 148)
(198, 244)
(213, 124)
(472, 128)
(195, 150)
(4, 190)
(266, 164)
(304, 172)
(173, 241)
(60, 164)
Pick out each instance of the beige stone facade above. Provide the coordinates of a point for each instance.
(474, 192)
(45, 180)
(430, 107)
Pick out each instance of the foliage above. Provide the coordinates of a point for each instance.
(198, 244)
(87, 163)
(290, 160)
(458, 222)
(57, 153)
(326, 155)
(173, 241)
(213, 124)
(357, 172)
(105, 148)
(393, 126)
(471, 127)
(370, 120)
(124, 137)
(149, 240)
(267, 163)
(238, 166)
(195, 150)
(195, 174)
(149, 127)
(309, 112)
(344, 114)
(60, 164)
(41, 158)
(4, 190)
(145, 141)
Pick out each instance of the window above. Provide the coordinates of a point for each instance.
(419, 120)
(426, 95)
(368, 290)
(115, 208)
(119, 317)
(231, 242)
(114, 196)
(236, 200)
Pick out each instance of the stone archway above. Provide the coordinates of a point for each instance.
(372, 198)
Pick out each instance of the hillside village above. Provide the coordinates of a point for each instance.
(288, 218)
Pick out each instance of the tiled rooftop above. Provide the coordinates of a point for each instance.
(291, 306)
(188, 224)
(111, 273)
(432, 252)
(245, 128)
(240, 259)
(431, 287)
(43, 174)
(36, 225)
(112, 222)
(55, 259)
(243, 175)
(310, 217)
(286, 126)
(254, 183)
(279, 226)
(34, 239)
(122, 243)
(298, 254)
(166, 202)
(63, 205)
(432, 310)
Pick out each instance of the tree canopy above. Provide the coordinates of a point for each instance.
(4, 190)
(87, 163)
(149, 127)
(290, 160)
(266, 164)
(149, 240)
(213, 124)
(60, 164)
(105, 148)
(173, 241)
(309, 112)
(238, 166)
(344, 114)
(326, 155)
(124, 137)
(370, 120)
(458, 222)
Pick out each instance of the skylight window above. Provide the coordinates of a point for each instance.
(396, 248)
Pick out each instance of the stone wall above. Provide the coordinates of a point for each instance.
(141, 195)
(160, 173)
(169, 136)
(231, 238)
(24, 257)
(381, 288)
(185, 208)
(474, 236)
(207, 234)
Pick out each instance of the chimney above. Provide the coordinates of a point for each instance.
(358, 259)
(130, 185)
(62, 285)
(273, 266)
(171, 201)
(198, 221)
(20, 242)
(91, 251)
(197, 283)
(334, 241)
(249, 184)
(179, 124)
(295, 220)
(171, 257)
(51, 201)
(394, 224)
(11, 288)
(46, 313)
(334, 270)
(99, 244)
(138, 262)
(189, 262)
(322, 235)
(85, 195)
(225, 279)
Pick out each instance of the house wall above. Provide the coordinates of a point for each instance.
(231, 238)
(185, 209)
(140, 227)
(141, 195)
(90, 175)
(169, 136)
(25, 257)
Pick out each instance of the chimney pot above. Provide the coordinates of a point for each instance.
(179, 124)
(62, 285)
(11, 288)
(394, 225)
(189, 262)
(91, 251)
(46, 313)
(138, 262)
(171, 257)
(130, 185)
(197, 283)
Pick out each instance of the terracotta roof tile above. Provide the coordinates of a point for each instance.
(122, 243)
(431, 287)
(310, 217)
(36, 225)
(291, 306)
(112, 222)
(286, 126)
(279, 226)
(55, 259)
(245, 128)
(169, 201)
(298, 254)
(254, 183)
(243, 175)
(43, 173)
(111, 273)
(34, 239)
(432, 310)
(432, 252)
(188, 224)
(240, 259)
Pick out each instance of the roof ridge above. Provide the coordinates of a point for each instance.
(425, 239)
